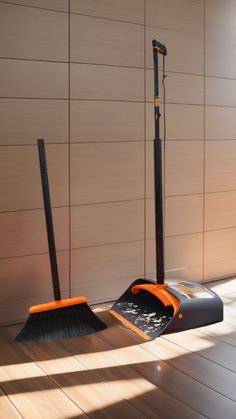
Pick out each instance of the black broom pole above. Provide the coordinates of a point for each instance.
(158, 193)
(49, 220)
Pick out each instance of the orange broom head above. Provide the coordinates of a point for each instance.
(60, 319)
(54, 305)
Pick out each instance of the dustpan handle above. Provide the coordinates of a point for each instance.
(49, 220)
(158, 193)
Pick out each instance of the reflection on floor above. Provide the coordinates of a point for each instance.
(114, 373)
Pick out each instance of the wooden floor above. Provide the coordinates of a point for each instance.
(113, 374)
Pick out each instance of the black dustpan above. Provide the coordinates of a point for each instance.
(152, 308)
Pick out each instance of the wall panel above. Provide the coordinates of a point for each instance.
(183, 122)
(220, 168)
(20, 179)
(98, 121)
(180, 88)
(183, 257)
(220, 33)
(22, 121)
(45, 39)
(124, 10)
(220, 210)
(106, 172)
(59, 5)
(31, 79)
(183, 215)
(98, 82)
(24, 232)
(96, 267)
(116, 222)
(177, 15)
(101, 41)
(220, 123)
(185, 50)
(183, 168)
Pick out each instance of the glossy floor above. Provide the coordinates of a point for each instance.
(113, 373)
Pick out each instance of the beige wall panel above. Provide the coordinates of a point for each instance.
(20, 183)
(116, 222)
(100, 41)
(22, 121)
(220, 270)
(45, 39)
(220, 123)
(61, 5)
(193, 273)
(106, 83)
(220, 210)
(21, 79)
(183, 254)
(220, 168)
(183, 215)
(187, 59)
(183, 168)
(178, 15)
(106, 121)
(24, 232)
(125, 10)
(107, 172)
(30, 276)
(220, 32)
(26, 281)
(180, 88)
(103, 272)
(220, 245)
(183, 122)
(220, 92)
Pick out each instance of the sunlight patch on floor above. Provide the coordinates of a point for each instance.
(119, 389)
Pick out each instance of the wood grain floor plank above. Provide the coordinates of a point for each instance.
(200, 369)
(7, 408)
(224, 332)
(33, 397)
(206, 346)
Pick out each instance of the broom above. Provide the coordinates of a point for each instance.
(59, 319)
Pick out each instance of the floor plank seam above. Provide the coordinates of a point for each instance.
(193, 378)
(197, 353)
(10, 401)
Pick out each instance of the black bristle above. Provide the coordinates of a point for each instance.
(61, 323)
(144, 310)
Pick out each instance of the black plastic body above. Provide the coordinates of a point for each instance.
(195, 312)
(49, 219)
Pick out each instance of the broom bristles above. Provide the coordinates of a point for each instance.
(62, 323)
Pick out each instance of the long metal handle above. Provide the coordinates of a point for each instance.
(49, 220)
(158, 193)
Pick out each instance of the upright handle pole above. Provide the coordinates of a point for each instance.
(158, 193)
(49, 220)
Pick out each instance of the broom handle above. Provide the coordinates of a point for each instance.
(158, 194)
(49, 220)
